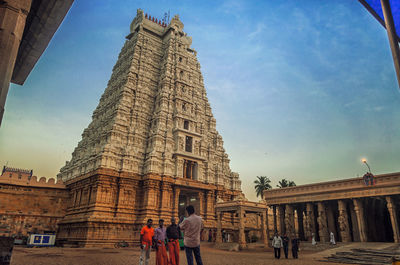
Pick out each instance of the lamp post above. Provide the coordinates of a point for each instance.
(365, 162)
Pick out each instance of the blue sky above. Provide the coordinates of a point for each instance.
(299, 91)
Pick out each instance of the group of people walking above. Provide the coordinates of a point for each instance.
(279, 242)
(167, 239)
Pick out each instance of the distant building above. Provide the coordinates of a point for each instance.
(26, 28)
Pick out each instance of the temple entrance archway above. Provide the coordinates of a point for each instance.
(187, 198)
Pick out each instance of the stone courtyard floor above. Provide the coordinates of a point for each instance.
(211, 256)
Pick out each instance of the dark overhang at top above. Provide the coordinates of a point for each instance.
(375, 8)
(43, 20)
(387, 12)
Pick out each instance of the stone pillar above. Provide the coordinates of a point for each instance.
(133, 186)
(354, 224)
(242, 236)
(79, 198)
(306, 226)
(393, 218)
(177, 191)
(289, 221)
(267, 221)
(202, 203)
(12, 23)
(75, 192)
(275, 221)
(263, 228)
(151, 195)
(322, 223)
(191, 169)
(219, 228)
(209, 205)
(310, 219)
(166, 190)
(281, 220)
(359, 210)
(296, 223)
(343, 221)
(184, 168)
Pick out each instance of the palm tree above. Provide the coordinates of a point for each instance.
(262, 183)
(285, 183)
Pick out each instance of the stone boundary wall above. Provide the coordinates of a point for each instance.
(29, 205)
(20, 178)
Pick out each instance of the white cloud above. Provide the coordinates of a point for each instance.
(259, 29)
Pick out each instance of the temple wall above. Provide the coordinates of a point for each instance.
(107, 206)
(30, 206)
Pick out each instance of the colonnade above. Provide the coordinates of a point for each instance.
(356, 219)
(241, 211)
(190, 169)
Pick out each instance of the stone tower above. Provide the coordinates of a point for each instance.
(152, 146)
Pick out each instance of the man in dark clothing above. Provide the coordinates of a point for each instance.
(295, 247)
(285, 242)
(173, 235)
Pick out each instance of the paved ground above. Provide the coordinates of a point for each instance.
(211, 256)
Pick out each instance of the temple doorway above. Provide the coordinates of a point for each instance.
(188, 198)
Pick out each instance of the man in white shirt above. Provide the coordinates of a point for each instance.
(191, 228)
(277, 245)
(332, 239)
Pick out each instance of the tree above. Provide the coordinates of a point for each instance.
(285, 183)
(262, 183)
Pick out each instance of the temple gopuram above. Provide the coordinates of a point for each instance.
(152, 147)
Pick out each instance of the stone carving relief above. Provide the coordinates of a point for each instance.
(342, 223)
(251, 220)
(240, 197)
(289, 223)
(219, 199)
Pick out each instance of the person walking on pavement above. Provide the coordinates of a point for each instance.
(192, 227)
(295, 247)
(146, 241)
(285, 243)
(332, 239)
(277, 244)
(173, 235)
(160, 234)
(313, 242)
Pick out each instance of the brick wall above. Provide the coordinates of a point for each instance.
(28, 205)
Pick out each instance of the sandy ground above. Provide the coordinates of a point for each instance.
(210, 255)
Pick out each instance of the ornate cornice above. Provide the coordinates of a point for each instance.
(247, 206)
(386, 184)
(104, 172)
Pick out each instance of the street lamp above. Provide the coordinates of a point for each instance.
(364, 160)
